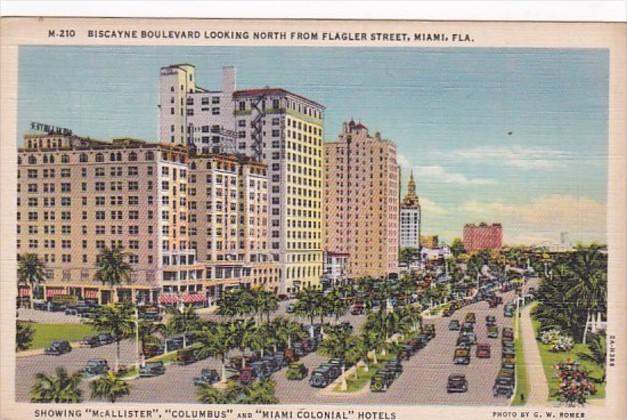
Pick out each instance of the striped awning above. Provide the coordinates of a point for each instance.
(23, 291)
(54, 291)
(193, 298)
(185, 298)
(91, 293)
(168, 299)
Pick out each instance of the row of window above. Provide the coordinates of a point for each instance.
(31, 159)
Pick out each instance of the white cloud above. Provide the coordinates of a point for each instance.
(431, 207)
(515, 156)
(543, 218)
(439, 174)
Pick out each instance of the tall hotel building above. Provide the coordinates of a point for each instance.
(361, 198)
(410, 217)
(270, 125)
(483, 236)
(77, 196)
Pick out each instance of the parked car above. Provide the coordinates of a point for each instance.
(429, 330)
(456, 383)
(461, 356)
(471, 337)
(483, 351)
(493, 331)
(151, 369)
(334, 370)
(279, 359)
(40, 305)
(320, 377)
(291, 356)
(105, 339)
(453, 325)
(152, 349)
(71, 311)
(297, 372)
(490, 320)
(395, 366)
(186, 356)
(508, 310)
(247, 375)
(262, 368)
(463, 342)
(503, 385)
(381, 380)
(207, 377)
(406, 352)
(95, 367)
(508, 333)
(467, 327)
(90, 341)
(57, 348)
(508, 351)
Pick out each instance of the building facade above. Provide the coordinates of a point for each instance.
(334, 269)
(361, 201)
(284, 130)
(483, 236)
(228, 211)
(195, 116)
(410, 217)
(77, 196)
(190, 226)
(429, 241)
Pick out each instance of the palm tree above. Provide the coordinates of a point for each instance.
(181, 321)
(598, 352)
(31, 271)
(336, 344)
(308, 304)
(242, 331)
(235, 303)
(58, 388)
(215, 341)
(207, 394)
(287, 330)
(335, 305)
(260, 392)
(148, 331)
(111, 267)
(117, 319)
(266, 303)
(24, 333)
(109, 387)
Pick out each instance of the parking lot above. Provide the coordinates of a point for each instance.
(423, 380)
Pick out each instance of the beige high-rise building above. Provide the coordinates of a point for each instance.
(229, 221)
(361, 201)
(77, 196)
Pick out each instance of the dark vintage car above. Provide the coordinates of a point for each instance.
(57, 348)
(406, 352)
(453, 325)
(490, 320)
(508, 310)
(471, 337)
(297, 372)
(470, 317)
(151, 369)
(467, 327)
(381, 380)
(90, 341)
(503, 385)
(320, 377)
(463, 342)
(508, 352)
(95, 367)
(456, 383)
(291, 356)
(334, 370)
(508, 333)
(429, 330)
(152, 349)
(395, 366)
(105, 339)
(186, 356)
(461, 356)
(263, 368)
(207, 377)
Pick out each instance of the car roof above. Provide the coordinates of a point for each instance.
(456, 376)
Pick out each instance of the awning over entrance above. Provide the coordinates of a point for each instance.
(185, 298)
(23, 291)
(91, 293)
(54, 291)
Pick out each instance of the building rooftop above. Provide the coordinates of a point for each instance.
(273, 91)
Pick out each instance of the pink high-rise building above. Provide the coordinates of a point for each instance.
(361, 201)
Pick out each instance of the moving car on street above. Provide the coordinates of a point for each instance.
(456, 383)
(493, 332)
(207, 377)
(95, 367)
(470, 317)
(461, 356)
(453, 325)
(151, 369)
(483, 351)
(490, 320)
(503, 384)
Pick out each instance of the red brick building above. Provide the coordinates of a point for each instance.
(483, 236)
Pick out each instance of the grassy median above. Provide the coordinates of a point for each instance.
(550, 359)
(522, 382)
(47, 333)
(354, 384)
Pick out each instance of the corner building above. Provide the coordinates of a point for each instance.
(483, 236)
(361, 195)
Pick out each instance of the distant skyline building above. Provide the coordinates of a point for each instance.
(361, 201)
(483, 236)
(410, 217)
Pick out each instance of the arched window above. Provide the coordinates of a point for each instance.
(193, 165)
(208, 164)
(45, 158)
(99, 157)
(65, 159)
(150, 156)
(32, 160)
(118, 156)
(112, 157)
(132, 157)
(84, 157)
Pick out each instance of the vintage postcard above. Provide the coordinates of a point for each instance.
(309, 219)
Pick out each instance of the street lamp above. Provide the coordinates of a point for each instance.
(137, 352)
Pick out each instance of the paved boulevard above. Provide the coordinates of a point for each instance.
(422, 382)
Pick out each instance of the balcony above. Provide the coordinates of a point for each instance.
(177, 258)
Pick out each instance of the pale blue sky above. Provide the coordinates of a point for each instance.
(449, 111)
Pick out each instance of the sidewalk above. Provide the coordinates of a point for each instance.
(538, 386)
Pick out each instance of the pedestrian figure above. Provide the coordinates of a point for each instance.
(522, 398)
